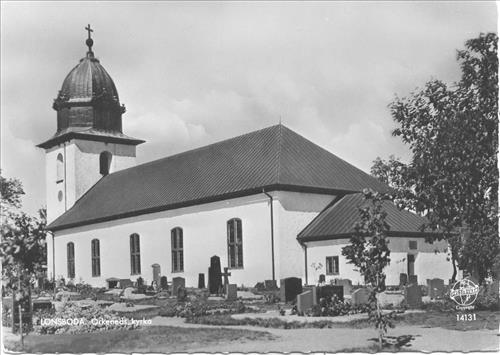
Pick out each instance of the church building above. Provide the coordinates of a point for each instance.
(270, 203)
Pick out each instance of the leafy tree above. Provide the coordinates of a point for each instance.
(369, 252)
(452, 177)
(22, 249)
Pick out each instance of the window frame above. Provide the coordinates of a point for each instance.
(59, 168)
(70, 260)
(95, 250)
(105, 162)
(177, 249)
(413, 242)
(235, 243)
(330, 263)
(135, 254)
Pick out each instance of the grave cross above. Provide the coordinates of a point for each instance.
(226, 275)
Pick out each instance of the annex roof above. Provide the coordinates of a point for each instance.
(274, 158)
(337, 220)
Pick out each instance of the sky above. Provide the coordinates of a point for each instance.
(194, 73)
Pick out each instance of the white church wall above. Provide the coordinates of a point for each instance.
(295, 210)
(205, 235)
(430, 260)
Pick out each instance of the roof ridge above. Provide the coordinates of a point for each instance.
(280, 144)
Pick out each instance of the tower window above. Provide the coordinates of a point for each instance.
(104, 163)
(59, 168)
(70, 255)
(235, 243)
(135, 255)
(177, 250)
(96, 258)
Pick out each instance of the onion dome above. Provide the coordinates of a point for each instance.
(88, 101)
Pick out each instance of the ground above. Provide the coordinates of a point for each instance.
(433, 331)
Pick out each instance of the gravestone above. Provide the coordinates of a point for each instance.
(177, 282)
(214, 275)
(231, 292)
(181, 292)
(387, 298)
(140, 282)
(322, 279)
(403, 280)
(226, 275)
(435, 288)
(201, 280)
(156, 273)
(164, 283)
(329, 291)
(360, 296)
(127, 292)
(305, 300)
(346, 284)
(290, 288)
(413, 280)
(413, 296)
(270, 285)
(124, 283)
(112, 282)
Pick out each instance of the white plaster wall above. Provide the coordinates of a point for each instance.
(81, 171)
(205, 235)
(293, 212)
(430, 260)
(86, 162)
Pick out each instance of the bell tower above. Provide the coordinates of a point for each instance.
(89, 142)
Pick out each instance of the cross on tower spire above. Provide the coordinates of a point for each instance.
(89, 42)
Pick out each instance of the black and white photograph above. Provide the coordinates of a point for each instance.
(249, 177)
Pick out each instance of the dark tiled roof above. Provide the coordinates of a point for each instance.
(337, 220)
(274, 158)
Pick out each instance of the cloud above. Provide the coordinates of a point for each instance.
(194, 73)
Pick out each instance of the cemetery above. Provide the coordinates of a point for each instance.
(218, 302)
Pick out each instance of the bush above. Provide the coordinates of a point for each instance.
(75, 319)
(332, 307)
(487, 299)
(200, 308)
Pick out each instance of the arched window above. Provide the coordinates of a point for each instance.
(177, 250)
(235, 243)
(135, 254)
(59, 168)
(104, 163)
(70, 256)
(96, 258)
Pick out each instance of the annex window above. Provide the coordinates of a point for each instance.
(412, 244)
(135, 254)
(332, 265)
(70, 255)
(96, 258)
(104, 163)
(59, 168)
(177, 250)
(235, 243)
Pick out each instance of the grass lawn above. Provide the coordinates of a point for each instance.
(431, 319)
(148, 339)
